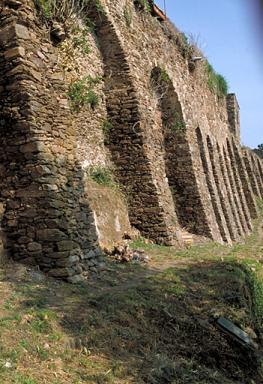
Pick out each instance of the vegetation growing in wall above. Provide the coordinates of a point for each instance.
(186, 48)
(106, 128)
(64, 11)
(127, 15)
(81, 93)
(216, 82)
(80, 41)
(142, 5)
(178, 124)
(102, 175)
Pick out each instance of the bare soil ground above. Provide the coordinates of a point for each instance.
(136, 323)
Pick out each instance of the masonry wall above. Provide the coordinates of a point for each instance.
(171, 143)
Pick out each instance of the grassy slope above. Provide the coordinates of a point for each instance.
(136, 324)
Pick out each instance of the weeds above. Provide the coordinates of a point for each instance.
(81, 93)
(142, 5)
(186, 47)
(80, 42)
(178, 124)
(216, 82)
(106, 126)
(106, 129)
(64, 11)
(102, 176)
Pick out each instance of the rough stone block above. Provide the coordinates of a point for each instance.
(50, 235)
(35, 146)
(34, 247)
(67, 245)
(61, 272)
(21, 32)
(15, 52)
(67, 262)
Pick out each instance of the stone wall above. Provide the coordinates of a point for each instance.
(146, 114)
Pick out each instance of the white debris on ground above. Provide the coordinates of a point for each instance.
(123, 253)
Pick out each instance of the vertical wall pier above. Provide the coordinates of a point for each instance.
(235, 193)
(233, 115)
(260, 167)
(47, 221)
(251, 171)
(178, 160)
(251, 202)
(221, 190)
(126, 140)
(239, 187)
(212, 188)
(230, 193)
(258, 174)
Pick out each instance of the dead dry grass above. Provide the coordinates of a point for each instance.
(135, 324)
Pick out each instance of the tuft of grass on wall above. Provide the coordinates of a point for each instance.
(102, 176)
(216, 82)
(64, 10)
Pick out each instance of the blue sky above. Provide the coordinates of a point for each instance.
(227, 34)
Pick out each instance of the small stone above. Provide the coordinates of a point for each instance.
(90, 255)
(8, 364)
(34, 247)
(21, 32)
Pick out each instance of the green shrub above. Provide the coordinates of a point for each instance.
(81, 93)
(216, 82)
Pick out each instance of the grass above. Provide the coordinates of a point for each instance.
(63, 11)
(102, 176)
(216, 82)
(136, 324)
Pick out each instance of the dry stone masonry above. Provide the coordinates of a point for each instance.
(115, 92)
